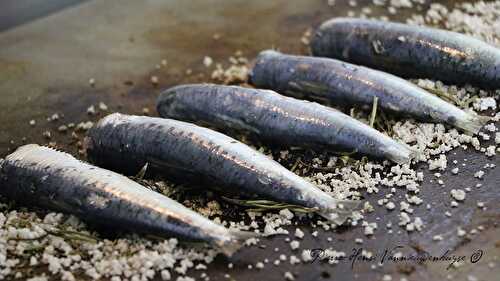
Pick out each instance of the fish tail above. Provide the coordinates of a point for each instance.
(238, 238)
(472, 123)
(399, 154)
(341, 213)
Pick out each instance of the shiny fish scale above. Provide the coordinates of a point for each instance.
(41, 176)
(125, 143)
(347, 84)
(410, 51)
(277, 118)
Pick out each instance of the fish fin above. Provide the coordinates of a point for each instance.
(340, 214)
(140, 175)
(472, 123)
(238, 238)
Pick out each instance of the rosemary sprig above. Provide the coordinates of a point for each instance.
(326, 169)
(63, 233)
(295, 164)
(35, 248)
(266, 205)
(443, 95)
(450, 98)
(72, 235)
(383, 123)
(373, 115)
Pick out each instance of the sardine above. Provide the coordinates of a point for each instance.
(346, 84)
(118, 141)
(34, 175)
(410, 51)
(278, 119)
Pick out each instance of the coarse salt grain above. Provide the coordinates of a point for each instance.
(294, 244)
(458, 194)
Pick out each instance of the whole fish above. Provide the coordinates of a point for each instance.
(118, 141)
(410, 51)
(41, 176)
(347, 84)
(278, 119)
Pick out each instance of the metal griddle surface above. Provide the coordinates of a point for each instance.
(45, 66)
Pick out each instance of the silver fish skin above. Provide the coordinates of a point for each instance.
(410, 51)
(342, 83)
(41, 176)
(278, 119)
(118, 140)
